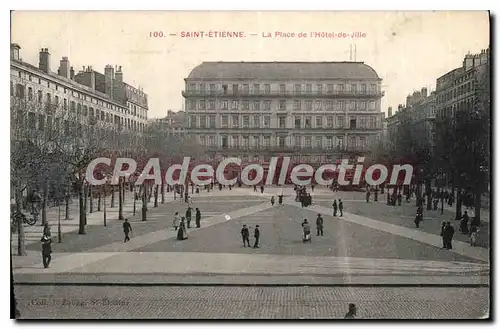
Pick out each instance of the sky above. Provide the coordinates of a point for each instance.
(409, 50)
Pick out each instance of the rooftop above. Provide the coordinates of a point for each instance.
(283, 70)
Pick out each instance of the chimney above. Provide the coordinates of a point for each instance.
(71, 73)
(92, 77)
(424, 92)
(14, 51)
(64, 67)
(44, 62)
(390, 111)
(109, 76)
(400, 107)
(119, 74)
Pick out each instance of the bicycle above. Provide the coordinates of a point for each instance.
(16, 217)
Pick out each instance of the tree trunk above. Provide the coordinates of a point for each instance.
(66, 206)
(112, 196)
(120, 200)
(21, 248)
(81, 203)
(44, 203)
(104, 212)
(458, 214)
(135, 196)
(477, 205)
(144, 205)
(162, 193)
(156, 197)
(428, 191)
(91, 200)
(85, 203)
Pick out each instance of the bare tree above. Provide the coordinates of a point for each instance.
(35, 162)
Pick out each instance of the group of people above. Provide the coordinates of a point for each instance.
(302, 196)
(280, 200)
(338, 207)
(474, 228)
(306, 229)
(245, 235)
(181, 224)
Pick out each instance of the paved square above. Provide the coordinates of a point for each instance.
(371, 244)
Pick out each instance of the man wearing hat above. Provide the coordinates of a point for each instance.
(256, 235)
(46, 250)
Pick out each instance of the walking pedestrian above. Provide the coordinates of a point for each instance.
(280, 199)
(334, 205)
(443, 226)
(127, 228)
(262, 189)
(341, 208)
(368, 194)
(182, 232)
(319, 225)
(177, 220)
(188, 216)
(449, 231)
(255, 188)
(256, 235)
(351, 313)
(46, 250)
(46, 229)
(198, 218)
(245, 235)
(272, 200)
(306, 231)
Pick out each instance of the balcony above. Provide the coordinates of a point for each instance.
(302, 94)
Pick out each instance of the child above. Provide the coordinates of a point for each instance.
(473, 237)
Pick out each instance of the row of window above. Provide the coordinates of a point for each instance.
(256, 121)
(32, 118)
(449, 111)
(455, 92)
(282, 88)
(74, 93)
(137, 111)
(75, 108)
(281, 141)
(298, 104)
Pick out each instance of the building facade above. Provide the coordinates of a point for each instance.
(311, 111)
(455, 90)
(171, 125)
(89, 97)
(420, 112)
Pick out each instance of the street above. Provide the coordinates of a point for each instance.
(72, 302)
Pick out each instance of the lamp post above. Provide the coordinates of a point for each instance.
(59, 235)
(135, 199)
(104, 201)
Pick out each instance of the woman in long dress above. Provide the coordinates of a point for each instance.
(177, 220)
(182, 233)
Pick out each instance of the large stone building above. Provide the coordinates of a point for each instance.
(455, 90)
(91, 97)
(312, 111)
(420, 112)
